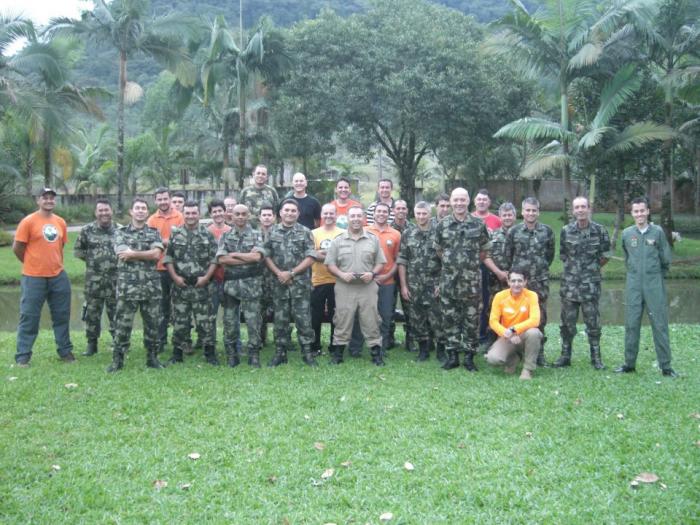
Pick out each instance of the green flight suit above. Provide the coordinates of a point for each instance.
(647, 258)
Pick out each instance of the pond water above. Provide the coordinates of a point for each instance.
(684, 305)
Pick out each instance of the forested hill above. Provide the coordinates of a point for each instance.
(286, 12)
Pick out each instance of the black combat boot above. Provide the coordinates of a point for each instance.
(280, 358)
(469, 361)
(337, 354)
(117, 362)
(177, 354)
(376, 353)
(440, 352)
(232, 357)
(254, 357)
(307, 355)
(452, 360)
(565, 357)
(91, 348)
(152, 358)
(423, 351)
(210, 355)
(596, 359)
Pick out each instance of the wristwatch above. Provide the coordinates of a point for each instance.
(292, 273)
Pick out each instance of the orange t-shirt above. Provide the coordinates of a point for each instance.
(520, 313)
(163, 222)
(341, 212)
(390, 241)
(45, 238)
(217, 233)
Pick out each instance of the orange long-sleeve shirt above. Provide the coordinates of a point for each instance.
(519, 313)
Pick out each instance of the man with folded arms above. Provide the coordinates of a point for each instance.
(515, 316)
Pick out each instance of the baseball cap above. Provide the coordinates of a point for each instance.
(44, 191)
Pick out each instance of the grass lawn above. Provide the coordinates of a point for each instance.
(486, 448)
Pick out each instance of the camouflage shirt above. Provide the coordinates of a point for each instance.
(95, 245)
(531, 250)
(581, 251)
(498, 248)
(459, 245)
(191, 251)
(243, 281)
(417, 254)
(137, 280)
(287, 247)
(254, 198)
(400, 228)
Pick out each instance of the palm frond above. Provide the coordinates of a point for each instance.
(622, 86)
(639, 134)
(540, 165)
(530, 128)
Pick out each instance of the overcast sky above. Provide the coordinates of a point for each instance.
(40, 11)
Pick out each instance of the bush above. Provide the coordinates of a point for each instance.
(14, 209)
(5, 238)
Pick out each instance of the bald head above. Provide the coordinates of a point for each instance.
(459, 200)
(240, 215)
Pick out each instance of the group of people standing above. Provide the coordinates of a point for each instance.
(464, 278)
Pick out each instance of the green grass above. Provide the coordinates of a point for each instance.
(686, 256)
(486, 448)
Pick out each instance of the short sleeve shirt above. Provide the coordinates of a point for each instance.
(45, 238)
(355, 255)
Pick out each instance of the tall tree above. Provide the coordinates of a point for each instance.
(406, 76)
(560, 42)
(125, 25)
(674, 47)
(236, 70)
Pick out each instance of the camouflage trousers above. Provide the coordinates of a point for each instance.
(291, 304)
(192, 303)
(569, 316)
(541, 288)
(232, 322)
(425, 321)
(460, 323)
(124, 322)
(92, 314)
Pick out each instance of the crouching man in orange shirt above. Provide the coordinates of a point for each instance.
(515, 316)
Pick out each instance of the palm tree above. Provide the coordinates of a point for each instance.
(126, 26)
(59, 97)
(674, 50)
(12, 84)
(236, 70)
(593, 142)
(559, 43)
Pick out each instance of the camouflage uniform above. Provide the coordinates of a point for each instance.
(191, 252)
(498, 254)
(253, 198)
(405, 305)
(243, 290)
(288, 247)
(138, 287)
(581, 252)
(533, 251)
(417, 254)
(459, 245)
(95, 245)
(267, 308)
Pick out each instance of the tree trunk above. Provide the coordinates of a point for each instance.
(226, 164)
(667, 170)
(48, 167)
(120, 133)
(620, 207)
(242, 133)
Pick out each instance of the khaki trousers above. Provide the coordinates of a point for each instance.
(504, 353)
(356, 299)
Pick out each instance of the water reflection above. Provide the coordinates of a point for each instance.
(684, 296)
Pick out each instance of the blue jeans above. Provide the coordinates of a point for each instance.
(386, 298)
(35, 291)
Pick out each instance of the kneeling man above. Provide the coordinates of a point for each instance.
(515, 316)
